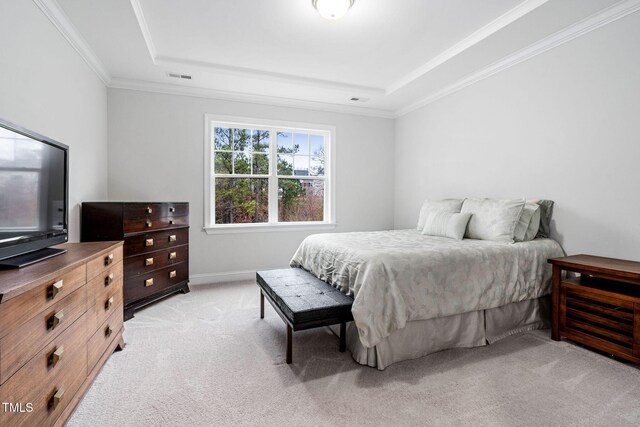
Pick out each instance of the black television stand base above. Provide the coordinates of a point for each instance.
(30, 258)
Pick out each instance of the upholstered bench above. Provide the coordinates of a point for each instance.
(303, 301)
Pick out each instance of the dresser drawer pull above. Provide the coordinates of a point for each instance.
(171, 222)
(149, 210)
(148, 242)
(108, 260)
(172, 209)
(148, 261)
(55, 319)
(173, 255)
(172, 274)
(148, 224)
(56, 398)
(173, 238)
(108, 280)
(56, 356)
(108, 331)
(56, 288)
(148, 282)
(108, 304)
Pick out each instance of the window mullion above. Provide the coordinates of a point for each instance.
(273, 178)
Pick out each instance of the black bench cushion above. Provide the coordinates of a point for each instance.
(303, 298)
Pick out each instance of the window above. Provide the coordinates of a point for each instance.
(262, 174)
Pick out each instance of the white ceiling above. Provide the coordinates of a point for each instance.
(398, 55)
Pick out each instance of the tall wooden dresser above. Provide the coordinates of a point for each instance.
(60, 320)
(156, 246)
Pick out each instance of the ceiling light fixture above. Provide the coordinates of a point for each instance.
(332, 9)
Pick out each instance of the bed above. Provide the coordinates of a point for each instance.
(415, 294)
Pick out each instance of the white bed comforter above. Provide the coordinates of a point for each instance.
(399, 276)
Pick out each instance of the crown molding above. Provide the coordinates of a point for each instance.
(585, 26)
(59, 19)
(468, 42)
(355, 90)
(144, 27)
(164, 88)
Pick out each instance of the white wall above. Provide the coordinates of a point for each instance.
(564, 125)
(46, 87)
(156, 149)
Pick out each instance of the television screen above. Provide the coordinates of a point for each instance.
(33, 192)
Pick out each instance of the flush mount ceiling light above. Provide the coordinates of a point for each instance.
(332, 9)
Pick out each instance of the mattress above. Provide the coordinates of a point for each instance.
(400, 276)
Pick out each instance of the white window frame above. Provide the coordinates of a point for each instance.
(329, 132)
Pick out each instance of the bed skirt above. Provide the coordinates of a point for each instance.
(477, 328)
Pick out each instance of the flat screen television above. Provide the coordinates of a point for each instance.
(34, 196)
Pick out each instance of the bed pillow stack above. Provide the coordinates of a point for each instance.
(493, 219)
(444, 205)
(528, 223)
(486, 219)
(442, 218)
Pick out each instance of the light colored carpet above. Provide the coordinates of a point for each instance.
(206, 359)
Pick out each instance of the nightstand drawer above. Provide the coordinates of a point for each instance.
(57, 370)
(591, 313)
(149, 284)
(23, 341)
(18, 310)
(150, 242)
(151, 261)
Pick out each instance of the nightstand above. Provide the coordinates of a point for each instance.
(601, 307)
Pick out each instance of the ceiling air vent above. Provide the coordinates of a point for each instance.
(179, 76)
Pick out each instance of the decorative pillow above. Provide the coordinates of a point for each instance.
(492, 219)
(525, 219)
(444, 205)
(446, 224)
(534, 225)
(546, 209)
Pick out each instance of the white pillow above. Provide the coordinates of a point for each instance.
(492, 219)
(444, 205)
(534, 225)
(525, 219)
(446, 224)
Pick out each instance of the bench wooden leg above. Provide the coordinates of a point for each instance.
(289, 344)
(261, 304)
(343, 337)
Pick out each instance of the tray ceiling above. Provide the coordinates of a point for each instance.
(393, 55)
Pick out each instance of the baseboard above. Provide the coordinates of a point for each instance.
(227, 276)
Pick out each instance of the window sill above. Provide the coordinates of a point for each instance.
(261, 228)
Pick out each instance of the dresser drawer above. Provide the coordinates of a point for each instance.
(151, 261)
(152, 216)
(103, 302)
(103, 262)
(149, 242)
(20, 309)
(104, 336)
(151, 283)
(17, 347)
(153, 211)
(104, 282)
(61, 365)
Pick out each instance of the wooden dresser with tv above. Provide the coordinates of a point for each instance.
(156, 246)
(60, 320)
